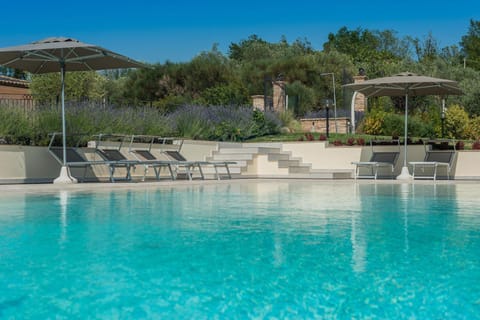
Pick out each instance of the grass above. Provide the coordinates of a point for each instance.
(298, 136)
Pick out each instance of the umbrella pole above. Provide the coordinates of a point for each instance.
(405, 174)
(65, 176)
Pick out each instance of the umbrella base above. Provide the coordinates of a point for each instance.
(404, 175)
(65, 177)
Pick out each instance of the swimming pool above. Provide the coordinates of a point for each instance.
(266, 249)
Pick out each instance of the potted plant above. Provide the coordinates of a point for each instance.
(460, 145)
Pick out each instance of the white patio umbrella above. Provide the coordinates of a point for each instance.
(405, 84)
(59, 55)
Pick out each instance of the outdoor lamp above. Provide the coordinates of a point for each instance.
(443, 123)
(442, 117)
(327, 103)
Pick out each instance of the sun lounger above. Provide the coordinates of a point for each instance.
(117, 160)
(433, 160)
(75, 160)
(216, 164)
(148, 160)
(378, 160)
(189, 166)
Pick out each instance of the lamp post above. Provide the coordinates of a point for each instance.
(443, 118)
(334, 97)
(327, 103)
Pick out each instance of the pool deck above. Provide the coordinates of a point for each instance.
(316, 161)
(102, 187)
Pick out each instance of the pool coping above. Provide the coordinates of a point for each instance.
(100, 186)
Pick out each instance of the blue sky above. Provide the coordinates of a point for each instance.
(156, 31)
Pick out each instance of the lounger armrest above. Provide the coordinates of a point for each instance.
(369, 163)
(428, 163)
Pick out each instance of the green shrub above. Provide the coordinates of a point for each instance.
(473, 128)
(15, 125)
(456, 122)
(393, 124)
(373, 122)
(420, 128)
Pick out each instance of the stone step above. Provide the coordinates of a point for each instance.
(211, 170)
(252, 150)
(279, 156)
(299, 169)
(232, 157)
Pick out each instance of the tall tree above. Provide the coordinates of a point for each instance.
(470, 45)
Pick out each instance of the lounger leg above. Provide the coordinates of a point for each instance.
(112, 173)
(201, 172)
(171, 171)
(128, 177)
(157, 172)
(228, 171)
(84, 173)
(189, 173)
(216, 172)
(145, 172)
(435, 172)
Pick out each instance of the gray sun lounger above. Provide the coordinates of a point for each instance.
(75, 160)
(117, 160)
(377, 160)
(191, 164)
(148, 160)
(434, 160)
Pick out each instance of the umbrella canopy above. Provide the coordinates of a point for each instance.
(405, 84)
(58, 55)
(49, 55)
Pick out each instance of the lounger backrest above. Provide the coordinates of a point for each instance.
(147, 155)
(72, 154)
(175, 155)
(386, 157)
(111, 155)
(439, 156)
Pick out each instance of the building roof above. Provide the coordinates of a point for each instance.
(13, 82)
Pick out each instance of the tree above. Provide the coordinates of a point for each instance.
(142, 85)
(470, 45)
(370, 50)
(79, 86)
(426, 50)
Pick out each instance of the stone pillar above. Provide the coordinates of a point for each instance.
(279, 96)
(258, 102)
(360, 101)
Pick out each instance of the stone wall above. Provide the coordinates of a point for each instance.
(320, 125)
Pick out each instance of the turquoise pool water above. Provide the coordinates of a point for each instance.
(246, 250)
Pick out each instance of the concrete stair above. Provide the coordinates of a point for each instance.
(244, 155)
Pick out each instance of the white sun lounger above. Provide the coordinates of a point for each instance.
(378, 160)
(433, 160)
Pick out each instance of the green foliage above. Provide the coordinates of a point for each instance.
(214, 79)
(473, 129)
(380, 122)
(229, 94)
(79, 86)
(288, 121)
(15, 125)
(471, 45)
(392, 125)
(373, 122)
(456, 122)
(302, 97)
